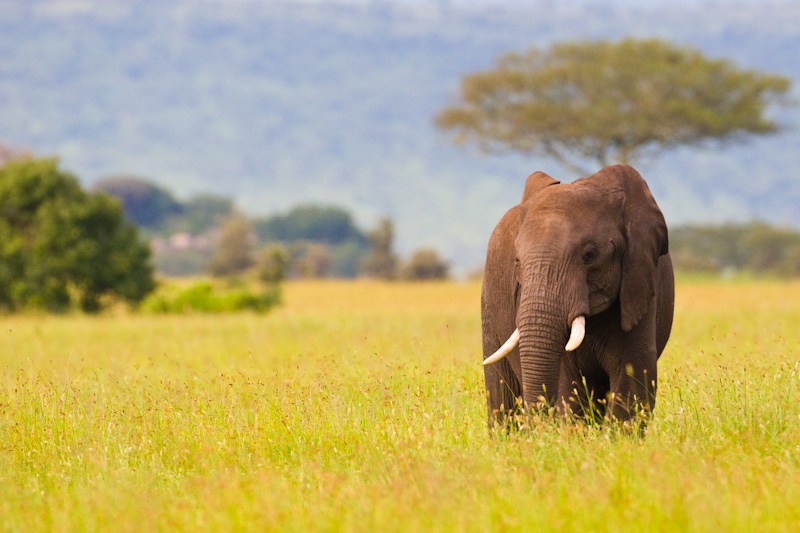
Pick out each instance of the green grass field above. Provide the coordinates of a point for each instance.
(359, 406)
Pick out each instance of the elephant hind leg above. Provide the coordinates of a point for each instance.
(589, 397)
(583, 387)
(503, 390)
(634, 389)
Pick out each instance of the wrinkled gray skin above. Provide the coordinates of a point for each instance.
(596, 247)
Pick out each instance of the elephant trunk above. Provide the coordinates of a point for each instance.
(541, 349)
(551, 321)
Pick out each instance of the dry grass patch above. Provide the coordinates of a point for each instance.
(359, 406)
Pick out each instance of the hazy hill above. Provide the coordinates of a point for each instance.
(284, 102)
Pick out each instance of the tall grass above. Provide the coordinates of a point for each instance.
(359, 406)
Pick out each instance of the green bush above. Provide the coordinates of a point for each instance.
(203, 298)
(61, 247)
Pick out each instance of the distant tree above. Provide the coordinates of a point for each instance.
(772, 250)
(610, 102)
(688, 260)
(326, 224)
(60, 245)
(707, 248)
(200, 214)
(425, 264)
(790, 263)
(347, 258)
(234, 251)
(145, 203)
(345, 245)
(273, 262)
(382, 261)
(755, 247)
(311, 259)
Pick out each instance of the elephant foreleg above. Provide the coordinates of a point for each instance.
(503, 391)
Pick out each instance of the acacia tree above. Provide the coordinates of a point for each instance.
(610, 102)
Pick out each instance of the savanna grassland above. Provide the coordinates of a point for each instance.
(359, 406)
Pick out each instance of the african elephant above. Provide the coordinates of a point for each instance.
(577, 297)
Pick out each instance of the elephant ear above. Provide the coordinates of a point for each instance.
(647, 240)
(535, 182)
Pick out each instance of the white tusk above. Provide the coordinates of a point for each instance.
(504, 350)
(577, 333)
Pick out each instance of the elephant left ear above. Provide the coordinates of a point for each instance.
(647, 240)
(536, 182)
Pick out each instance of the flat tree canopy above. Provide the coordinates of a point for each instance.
(610, 102)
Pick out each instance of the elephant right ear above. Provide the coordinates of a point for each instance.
(646, 236)
(536, 182)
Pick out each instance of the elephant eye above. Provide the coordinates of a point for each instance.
(589, 255)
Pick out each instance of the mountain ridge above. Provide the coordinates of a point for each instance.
(281, 103)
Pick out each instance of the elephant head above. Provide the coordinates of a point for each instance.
(579, 249)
